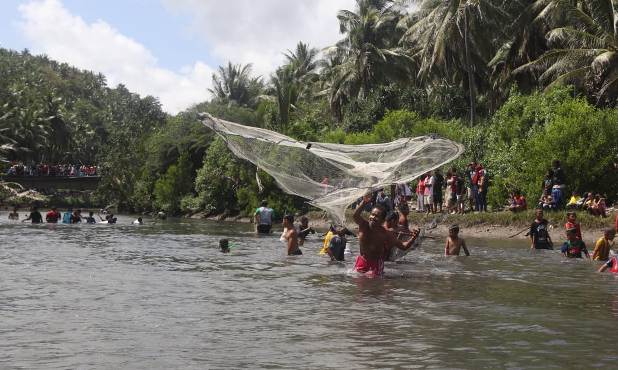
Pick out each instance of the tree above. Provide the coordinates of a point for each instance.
(368, 51)
(583, 47)
(234, 84)
(454, 40)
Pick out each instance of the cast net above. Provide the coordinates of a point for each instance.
(333, 176)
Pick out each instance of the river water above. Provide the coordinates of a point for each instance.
(161, 296)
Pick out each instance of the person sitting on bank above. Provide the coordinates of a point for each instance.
(518, 202)
(575, 201)
(264, 218)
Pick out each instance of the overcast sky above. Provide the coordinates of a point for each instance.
(168, 48)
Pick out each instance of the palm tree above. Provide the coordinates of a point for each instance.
(369, 51)
(285, 90)
(303, 62)
(453, 41)
(234, 84)
(583, 47)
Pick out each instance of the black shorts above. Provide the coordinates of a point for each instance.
(297, 252)
(437, 197)
(263, 229)
(543, 246)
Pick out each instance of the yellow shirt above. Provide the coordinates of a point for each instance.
(601, 250)
(573, 200)
(329, 235)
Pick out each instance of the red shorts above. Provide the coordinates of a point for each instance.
(373, 267)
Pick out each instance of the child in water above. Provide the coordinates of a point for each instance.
(573, 247)
(304, 229)
(572, 223)
(603, 245)
(454, 243)
(337, 244)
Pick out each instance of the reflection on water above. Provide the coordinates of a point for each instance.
(162, 296)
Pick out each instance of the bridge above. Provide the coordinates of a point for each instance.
(55, 182)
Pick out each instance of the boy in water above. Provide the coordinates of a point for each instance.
(35, 216)
(603, 245)
(14, 215)
(90, 219)
(304, 229)
(539, 232)
(573, 247)
(336, 245)
(291, 236)
(374, 240)
(454, 243)
(573, 224)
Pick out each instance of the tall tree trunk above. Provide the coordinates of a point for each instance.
(469, 67)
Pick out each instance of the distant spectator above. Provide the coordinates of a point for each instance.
(420, 194)
(598, 207)
(558, 180)
(383, 200)
(518, 202)
(548, 182)
(574, 201)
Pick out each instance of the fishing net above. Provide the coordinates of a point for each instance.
(333, 176)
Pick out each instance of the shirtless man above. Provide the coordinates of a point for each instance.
(374, 240)
(290, 236)
(454, 243)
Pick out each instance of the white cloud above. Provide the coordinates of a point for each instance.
(53, 30)
(258, 32)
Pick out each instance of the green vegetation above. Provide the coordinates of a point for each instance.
(519, 83)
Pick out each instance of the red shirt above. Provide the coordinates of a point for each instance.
(420, 189)
(571, 225)
(52, 216)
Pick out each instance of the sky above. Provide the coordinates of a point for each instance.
(168, 48)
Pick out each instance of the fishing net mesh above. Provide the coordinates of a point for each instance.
(333, 176)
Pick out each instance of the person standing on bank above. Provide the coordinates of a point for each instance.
(263, 218)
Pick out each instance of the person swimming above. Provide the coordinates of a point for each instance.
(374, 240)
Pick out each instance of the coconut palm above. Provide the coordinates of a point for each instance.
(285, 90)
(369, 51)
(234, 84)
(303, 63)
(453, 40)
(583, 47)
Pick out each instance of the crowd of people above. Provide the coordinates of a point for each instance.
(44, 169)
(70, 216)
(553, 196)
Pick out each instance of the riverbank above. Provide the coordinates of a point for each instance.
(486, 225)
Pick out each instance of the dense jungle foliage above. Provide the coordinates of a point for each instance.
(519, 83)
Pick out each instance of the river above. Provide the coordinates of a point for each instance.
(161, 296)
